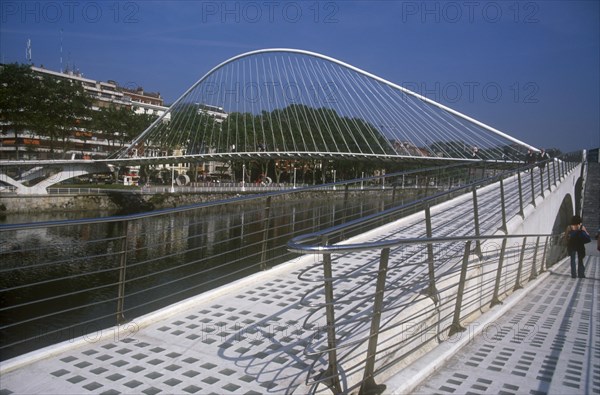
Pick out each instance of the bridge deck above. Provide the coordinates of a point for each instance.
(247, 337)
(548, 342)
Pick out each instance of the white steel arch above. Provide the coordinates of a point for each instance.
(452, 128)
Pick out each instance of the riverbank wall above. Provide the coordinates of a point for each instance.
(127, 203)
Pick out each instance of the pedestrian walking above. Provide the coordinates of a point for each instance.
(542, 158)
(577, 236)
(530, 159)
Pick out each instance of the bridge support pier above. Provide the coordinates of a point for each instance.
(51, 175)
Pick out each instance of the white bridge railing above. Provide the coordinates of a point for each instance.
(63, 279)
(385, 297)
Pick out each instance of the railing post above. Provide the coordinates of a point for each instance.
(476, 222)
(554, 172)
(122, 274)
(331, 374)
(346, 196)
(263, 255)
(542, 269)
(542, 182)
(520, 267)
(548, 176)
(534, 273)
(521, 211)
(456, 327)
(431, 290)
(503, 201)
(346, 193)
(532, 187)
(561, 169)
(368, 385)
(495, 297)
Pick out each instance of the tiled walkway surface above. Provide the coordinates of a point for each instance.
(248, 338)
(548, 343)
(220, 344)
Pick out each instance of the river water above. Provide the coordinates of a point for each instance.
(75, 269)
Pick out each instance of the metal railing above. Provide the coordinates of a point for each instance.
(64, 279)
(406, 301)
(155, 189)
(366, 310)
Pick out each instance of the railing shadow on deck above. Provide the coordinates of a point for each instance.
(401, 303)
(410, 293)
(64, 279)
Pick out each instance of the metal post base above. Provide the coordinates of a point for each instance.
(369, 387)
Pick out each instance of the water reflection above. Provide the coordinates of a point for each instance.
(75, 269)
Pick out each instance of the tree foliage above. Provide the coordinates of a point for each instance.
(120, 125)
(57, 108)
(300, 128)
(63, 107)
(19, 91)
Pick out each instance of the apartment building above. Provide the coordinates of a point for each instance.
(83, 143)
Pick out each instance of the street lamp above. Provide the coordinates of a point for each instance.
(294, 177)
(334, 178)
(243, 177)
(172, 179)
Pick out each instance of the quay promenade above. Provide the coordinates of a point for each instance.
(248, 338)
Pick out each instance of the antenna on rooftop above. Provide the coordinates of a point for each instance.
(61, 50)
(28, 51)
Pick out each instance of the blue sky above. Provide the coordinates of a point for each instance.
(530, 68)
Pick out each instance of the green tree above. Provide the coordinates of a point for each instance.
(19, 94)
(63, 106)
(119, 125)
(111, 121)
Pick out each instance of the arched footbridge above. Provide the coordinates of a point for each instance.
(294, 106)
(379, 297)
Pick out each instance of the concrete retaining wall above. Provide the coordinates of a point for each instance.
(124, 201)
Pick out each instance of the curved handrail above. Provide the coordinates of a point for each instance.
(296, 245)
(318, 243)
(373, 313)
